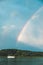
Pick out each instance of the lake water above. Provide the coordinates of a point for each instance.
(22, 61)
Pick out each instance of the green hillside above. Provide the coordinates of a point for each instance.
(17, 52)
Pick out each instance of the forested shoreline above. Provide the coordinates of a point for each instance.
(17, 52)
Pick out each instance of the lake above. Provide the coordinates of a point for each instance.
(22, 61)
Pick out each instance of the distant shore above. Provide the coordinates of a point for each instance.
(19, 53)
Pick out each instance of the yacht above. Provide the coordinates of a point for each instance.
(10, 56)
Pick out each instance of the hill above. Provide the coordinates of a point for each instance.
(17, 52)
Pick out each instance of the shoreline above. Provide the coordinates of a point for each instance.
(19, 53)
(23, 56)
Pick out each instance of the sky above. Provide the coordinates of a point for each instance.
(32, 32)
(14, 14)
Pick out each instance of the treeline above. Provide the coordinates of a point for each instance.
(15, 52)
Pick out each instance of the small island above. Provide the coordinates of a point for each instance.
(19, 53)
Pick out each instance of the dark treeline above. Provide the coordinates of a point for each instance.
(15, 52)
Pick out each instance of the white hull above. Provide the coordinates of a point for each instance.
(10, 56)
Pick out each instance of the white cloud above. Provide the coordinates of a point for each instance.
(33, 17)
(8, 28)
(32, 32)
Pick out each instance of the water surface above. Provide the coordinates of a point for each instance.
(22, 61)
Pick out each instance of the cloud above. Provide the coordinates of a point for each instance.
(8, 28)
(32, 32)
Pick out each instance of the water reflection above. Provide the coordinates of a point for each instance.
(11, 61)
(3, 61)
(21, 61)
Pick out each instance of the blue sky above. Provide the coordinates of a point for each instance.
(13, 16)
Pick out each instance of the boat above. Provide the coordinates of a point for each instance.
(10, 56)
